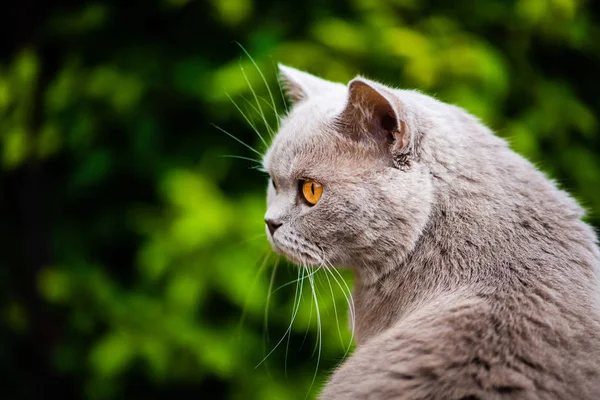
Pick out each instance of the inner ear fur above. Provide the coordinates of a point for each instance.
(374, 113)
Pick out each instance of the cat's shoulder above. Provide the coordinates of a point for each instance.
(464, 349)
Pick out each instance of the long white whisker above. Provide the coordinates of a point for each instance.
(281, 91)
(261, 112)
(271, 281)
(312, 302)
(337, 321)
(288, 329)
(297, 298)
(264, 262)
(263, 100)
(319, 329)
(237, 140)
(262, 76)
(314, 289)
(349, 300)
(241, 158)
(294, 281)
(247, 120)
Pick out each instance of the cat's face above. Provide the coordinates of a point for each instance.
(345, 187)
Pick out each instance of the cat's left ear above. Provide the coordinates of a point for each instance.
(373, 112)
(300, 86)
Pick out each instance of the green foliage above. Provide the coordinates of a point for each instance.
(140, 241)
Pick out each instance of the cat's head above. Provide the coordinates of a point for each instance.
(347, 186)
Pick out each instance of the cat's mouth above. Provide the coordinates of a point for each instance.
(296, 250)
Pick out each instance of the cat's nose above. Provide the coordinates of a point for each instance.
(272, 225)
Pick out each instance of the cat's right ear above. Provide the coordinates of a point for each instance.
(300, 86)
(374, 113)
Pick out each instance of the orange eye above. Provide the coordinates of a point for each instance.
(312, 191)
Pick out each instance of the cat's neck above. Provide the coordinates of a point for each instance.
(406, 286)
(488, 235)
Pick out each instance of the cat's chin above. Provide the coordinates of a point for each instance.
(297, 256)
(301, 261)
(298, 259)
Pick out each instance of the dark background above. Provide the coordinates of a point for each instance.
(133, 260)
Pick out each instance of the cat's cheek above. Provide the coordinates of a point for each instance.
(279, 250)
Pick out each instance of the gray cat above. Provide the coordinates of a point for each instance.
(475, 276)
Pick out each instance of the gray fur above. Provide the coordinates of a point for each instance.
(475, 276)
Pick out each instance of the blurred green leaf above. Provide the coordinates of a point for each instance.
(16, 147)
(112, 354)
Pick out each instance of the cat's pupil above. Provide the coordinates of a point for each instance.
(312, 188)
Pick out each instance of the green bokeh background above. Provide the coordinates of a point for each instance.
(134, 262)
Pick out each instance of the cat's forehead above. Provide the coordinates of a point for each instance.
(306, 136)
(318, 152)
(301, 145)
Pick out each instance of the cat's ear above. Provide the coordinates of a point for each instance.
(299, 86)
(373, 112)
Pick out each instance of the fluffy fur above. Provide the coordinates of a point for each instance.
(475, 276)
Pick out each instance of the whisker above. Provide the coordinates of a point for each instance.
(349, 300)
(309, 315)
(259, 168)
(287, 344)
(247, 120)
(281, 90)
(241, 158)
(295, 312)
(237, 140)
(334, 307)
(294, 281)
(319, 330)
(314, 289)
(249, 103)
(251, 239)
(261, 75)
(266, 318)
(265, 259)
(261, 112)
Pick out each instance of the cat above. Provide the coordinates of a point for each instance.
(475, 277)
